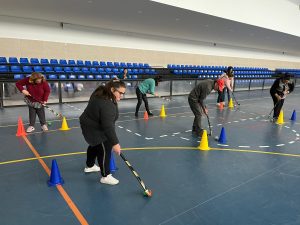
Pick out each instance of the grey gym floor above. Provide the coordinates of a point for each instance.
(253, 179)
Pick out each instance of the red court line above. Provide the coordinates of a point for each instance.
(61, 190)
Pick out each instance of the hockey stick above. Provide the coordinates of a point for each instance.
(235, 99)
(208, 121)
(147, 192)
(38, 104)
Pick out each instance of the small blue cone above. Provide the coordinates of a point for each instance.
(293, 118)
(112, 165)
(55, 178)
(222, 138)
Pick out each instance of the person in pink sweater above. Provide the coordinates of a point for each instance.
(227, 76)
(37, 90)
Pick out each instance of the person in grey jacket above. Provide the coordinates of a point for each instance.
(98, 128)
(196, 101)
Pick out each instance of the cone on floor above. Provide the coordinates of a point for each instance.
(64, 125)
(280, 119)
(230, 104)
(293, 118)
(55, 178)
(162, 111)
(222, 138)
(146, 117)
(221, 105)
(204, 142)
(21, 129)
(112, 165)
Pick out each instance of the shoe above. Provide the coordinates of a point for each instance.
(136, 114)
(44, 127)
(150, 114)
(94, 168)
(30, 129)
(109, 179)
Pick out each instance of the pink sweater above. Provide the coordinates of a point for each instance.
(228, 82)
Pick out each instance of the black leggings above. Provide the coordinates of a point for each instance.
(141, 97)
(277, 106)
(32, 115)
(103, 153)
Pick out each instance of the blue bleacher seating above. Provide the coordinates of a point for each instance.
(63, 62)
(62, 76)
(38, 69)
(85, 70)
(48, 69)
(90, 77)
(102, 63)
(24, 61)
(72, 76)
(68, 69)
(13, 60)
(87, 63)
(95, 63)
(80, 62)
(3, 60)
(27, 69)
(18, 76)
(116, 64)
(44, 61)
(34, 61)
(81, 77)
(53, 61)
(52, 76)
(98, 77)
(16, 69)
(76, 70)
(58, 69)
(110, 64)
(71, 62)
(4, 69)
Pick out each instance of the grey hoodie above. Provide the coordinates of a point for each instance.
(200, 92)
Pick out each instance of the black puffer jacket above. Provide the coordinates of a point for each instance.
(98, 121)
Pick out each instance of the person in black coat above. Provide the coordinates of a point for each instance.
(98, 128)
(280, 89)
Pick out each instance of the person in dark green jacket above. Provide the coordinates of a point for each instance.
(146, 87)
(98, 128)
(196, 100)
(124, 74)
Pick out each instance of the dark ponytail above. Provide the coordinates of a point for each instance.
(105, 91)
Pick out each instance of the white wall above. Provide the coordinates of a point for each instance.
(278, 15)
(51, 31)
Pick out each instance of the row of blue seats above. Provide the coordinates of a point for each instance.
(75, 77)
(71, 62)
(85, 70)
(219, 72)
(178, 67)
(239, 76)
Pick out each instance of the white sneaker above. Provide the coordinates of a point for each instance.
(30, 129)
(44, 127)
(109, 180)
(94, 168)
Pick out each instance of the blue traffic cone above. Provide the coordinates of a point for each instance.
(55, 178)
(222, 138)
(293, 118)
(112, 165)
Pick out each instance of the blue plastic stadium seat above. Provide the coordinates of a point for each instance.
(102, 63)
(147, 71)
(81, 77)
(13, 60)
(129, 65)
(135, 71)
(115, 70)
(24, 61)
(27, 69)
(58, 69)
(3, 60)
(76, 70)
(146, 65)
(134, 77)
(62, 76)
(108, 70)
(52, 76)
(38, 69)
(16, 69)
(110, 64)
(18, 76)
(71, 62)
(98, 77)
(106, 77)
(116, 64)
(53, 61)
(44, 61)
(48, 69)
(95, 63)
(141, 71)
(72, 76)
(85, 70)
(68, 69)
(80, 62)
(90, 77)
(114, 76)
(4, 69)
(123, 65)
(34, 61)
(63, 62)
(135, 65)
(93, 70)
(87, 63)
(141, 65)
(101, 70)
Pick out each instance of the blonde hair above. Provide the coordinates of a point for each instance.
(35, 76)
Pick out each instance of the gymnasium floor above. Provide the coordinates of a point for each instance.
(253, 179)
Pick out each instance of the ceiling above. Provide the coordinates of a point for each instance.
(152, 18)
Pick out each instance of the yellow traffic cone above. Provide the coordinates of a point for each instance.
(64, 125)
(230, 104)
(162, 111)
(280, 119)
(204, 142)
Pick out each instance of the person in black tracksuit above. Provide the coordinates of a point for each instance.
(196, 101)
(280, 88)
(98, 128)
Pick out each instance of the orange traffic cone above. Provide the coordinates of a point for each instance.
(21, 129)
(146, 117)
(221, 106)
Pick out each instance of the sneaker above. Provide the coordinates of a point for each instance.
(30, 129)
(136, 114)
(44, 127)
(109, 180)
(94, 168)
(150, 114)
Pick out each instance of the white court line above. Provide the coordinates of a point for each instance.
(291, 142)
(264, 146)
(222, 145)
(187, 131)
(280, 145)
(165, 135)
(185, 138)
(128, 130)
(294, 131)
(148, 138)
(120, 127)
(244, 146)
(137, 134)
(176, 133)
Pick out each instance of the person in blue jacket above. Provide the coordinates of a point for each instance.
(146, 87)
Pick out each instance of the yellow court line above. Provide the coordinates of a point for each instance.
(155, 148)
